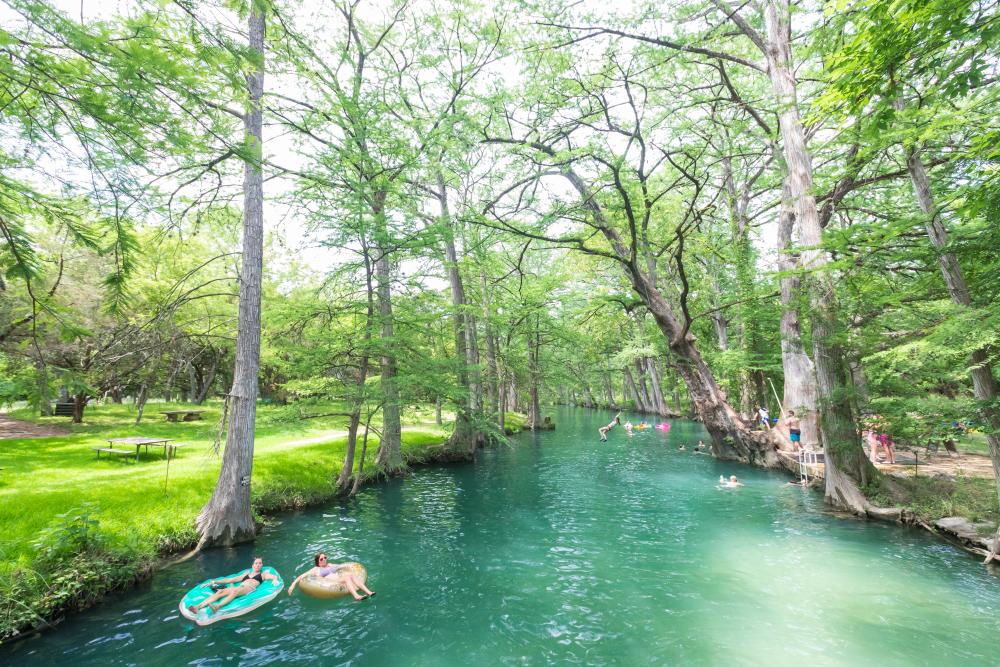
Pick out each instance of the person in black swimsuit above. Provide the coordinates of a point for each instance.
(247, 581)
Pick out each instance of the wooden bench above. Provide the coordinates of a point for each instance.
(189, 415)
(119, 452)
(64, 410)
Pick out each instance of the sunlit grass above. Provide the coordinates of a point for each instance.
(137, 504)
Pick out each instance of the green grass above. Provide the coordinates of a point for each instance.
(113, 516)
(974, 442)
(932, 498)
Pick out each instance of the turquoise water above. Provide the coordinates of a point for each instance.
(565, 550)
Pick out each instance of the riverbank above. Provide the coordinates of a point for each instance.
(77, 528)
(616, 549)
(953, 498)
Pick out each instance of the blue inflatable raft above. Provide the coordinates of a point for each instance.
(244, 604)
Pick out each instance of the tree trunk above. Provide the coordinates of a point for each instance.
(492, 392)
(192, 373)
(360, 397)
(983, 384)
(640, 375)
(140, 402)
(845, 463)
(227, 518)
(608, 390)
(390, 454)
(721, 328)
(631, 390)
(465, 437)
(800, 383)
(654, 382)
(534, 409)
(731, 439)
(168, 389)
(42, 377)
(209, 379)
(79, 403)
(744, 263)
(475, 401)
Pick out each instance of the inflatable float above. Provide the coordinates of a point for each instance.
(641, 427)
(244, 604)
(329, 588)
(663, 426)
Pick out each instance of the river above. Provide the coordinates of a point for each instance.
(565, 550)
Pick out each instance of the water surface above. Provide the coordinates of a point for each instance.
(566, 550)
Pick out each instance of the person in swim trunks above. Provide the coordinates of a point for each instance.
(794, 430)
(247, 581)
(336, 572)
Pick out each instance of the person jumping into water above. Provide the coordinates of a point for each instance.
(604, 429)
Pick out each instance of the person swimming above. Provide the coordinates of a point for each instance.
(682, 448)
(731, 482)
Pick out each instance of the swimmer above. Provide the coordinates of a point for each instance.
(335, 572)
(732, 482)
(604, 429)
(682, 448)
(700, 446)
(628, 428)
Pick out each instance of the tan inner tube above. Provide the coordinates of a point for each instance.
(326, 588)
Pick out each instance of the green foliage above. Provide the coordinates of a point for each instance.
(117, 517)
(932, 498)
(68, 534)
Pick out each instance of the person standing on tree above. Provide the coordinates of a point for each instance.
(765, 418)
(794, 430)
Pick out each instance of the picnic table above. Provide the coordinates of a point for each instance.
(189, 415)
(169, 450)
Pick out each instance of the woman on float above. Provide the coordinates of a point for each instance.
(248, 582)
(330, 571)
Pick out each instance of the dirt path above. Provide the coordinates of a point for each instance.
(15, 428)
(965, 465)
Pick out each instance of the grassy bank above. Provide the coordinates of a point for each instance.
(933, 498)
(76, 528)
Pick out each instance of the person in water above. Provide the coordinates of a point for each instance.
(247, 581)
(628, 428)
(794, 430)
(700, 446)
(732, 481)
(682, 448)
(604, 429)
(335, 572)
